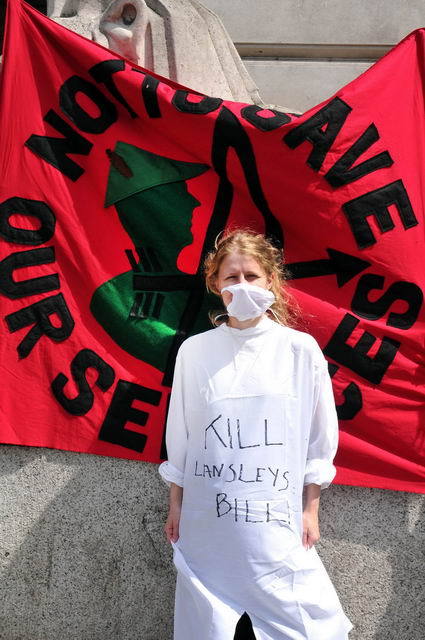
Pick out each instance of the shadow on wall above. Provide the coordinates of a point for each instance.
(374, 550)
(83, 554)
(95, 563)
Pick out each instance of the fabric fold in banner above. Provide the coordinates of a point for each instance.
(114, 183)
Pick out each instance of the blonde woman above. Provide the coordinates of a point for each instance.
(251, 436)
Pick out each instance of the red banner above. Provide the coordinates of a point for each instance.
(114, 183)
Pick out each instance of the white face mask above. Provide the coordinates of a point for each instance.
(248, 301)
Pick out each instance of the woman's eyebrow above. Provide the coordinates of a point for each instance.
(235, 273)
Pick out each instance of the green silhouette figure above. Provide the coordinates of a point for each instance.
(144, 308)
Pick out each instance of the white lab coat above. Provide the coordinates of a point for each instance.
(251, 420)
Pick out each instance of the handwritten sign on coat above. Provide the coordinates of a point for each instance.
(114, 184)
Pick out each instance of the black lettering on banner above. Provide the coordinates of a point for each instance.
(80, 117)
(356, 358)
(12, 289)
(352, 404)
(206, 105)
(83, 402)
(401, 290)
(332, 116)
(375, 203)
(250, 113)
(149, 95)
(353, 400)
(26, 207)
(38, 314)
(55, 150)
(102, 72)
(121, 411)
(343, 172)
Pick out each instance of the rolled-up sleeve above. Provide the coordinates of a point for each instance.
(323, 440)
(172, 470)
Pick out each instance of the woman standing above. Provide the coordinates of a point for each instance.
(251, 435)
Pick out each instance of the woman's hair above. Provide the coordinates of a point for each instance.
(285, 309)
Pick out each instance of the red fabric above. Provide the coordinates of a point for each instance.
(382, 426)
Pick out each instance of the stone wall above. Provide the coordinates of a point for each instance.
(83, 556)
(299, 52)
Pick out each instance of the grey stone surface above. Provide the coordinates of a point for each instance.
(179, 39)
(309, 21)
(82, 550)
(301, 83)
(81, 16)
(299, 52)
(83, 554)
(373, 547)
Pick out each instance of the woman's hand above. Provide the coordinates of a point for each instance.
(311, 532)
(171, 527)
(172, 524)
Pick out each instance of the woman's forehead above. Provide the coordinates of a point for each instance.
(239, 261)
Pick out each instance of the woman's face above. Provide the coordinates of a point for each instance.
(236, 268)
